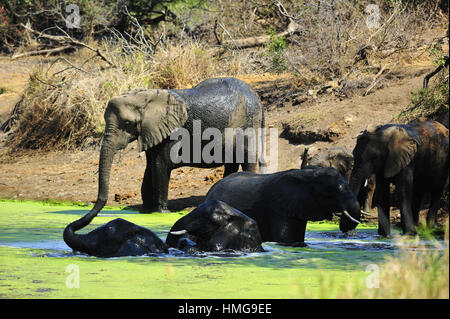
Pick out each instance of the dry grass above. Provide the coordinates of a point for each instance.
(62, 107)
(419, 274)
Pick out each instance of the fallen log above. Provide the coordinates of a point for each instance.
(251, 42)
(40, 52)
(68, 40)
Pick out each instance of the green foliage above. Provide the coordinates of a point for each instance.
(276, 51)
(433, 101)
(438, 54)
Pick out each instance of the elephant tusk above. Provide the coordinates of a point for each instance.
(365, 213)
(366, 182)
(178, 232)
(350, 217)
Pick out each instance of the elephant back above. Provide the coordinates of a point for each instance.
(221, 103)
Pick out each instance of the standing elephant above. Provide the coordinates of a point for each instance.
(337, 157)
(414, 157)
(215, 226)
(150, 116)
(281, 203)
(114, 239)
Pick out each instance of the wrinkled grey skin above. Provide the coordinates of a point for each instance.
(337, 157)
(281, 203)
(414, 157)
(215, 226)
(150, 116)
(114, 239)
(340, 159)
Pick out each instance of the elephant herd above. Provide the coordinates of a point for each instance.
(247, 208)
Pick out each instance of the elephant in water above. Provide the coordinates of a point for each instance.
(151, 116)
(281, 203)
(340, 159)
(414, 157)
(215, 226)
(114, 239)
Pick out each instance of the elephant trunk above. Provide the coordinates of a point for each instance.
(351, 216)
(358, 179)
(107, 152)
(74, 241)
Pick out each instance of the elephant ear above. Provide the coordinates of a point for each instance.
(162, 112)
(401, 150)
(291, 196)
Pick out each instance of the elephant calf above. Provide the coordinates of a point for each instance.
(114, 239)
(215, 226)
(281, 203)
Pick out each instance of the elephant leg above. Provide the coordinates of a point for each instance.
(288, 231)
(230, 169)
(415, 208)
(405, 188)
(146, 187)
(381, 199)
(435, 203)
(155, 186)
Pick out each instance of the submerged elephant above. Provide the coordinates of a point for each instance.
(414, 157)
(150, 116)
(281, 203)
(215, 226)
(114, 239)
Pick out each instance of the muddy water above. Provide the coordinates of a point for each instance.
(317, 240)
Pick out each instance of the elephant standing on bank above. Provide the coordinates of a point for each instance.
(281, 203)
(414, 157)
(150, 116)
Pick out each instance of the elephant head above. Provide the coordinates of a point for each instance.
(146, 115)
(382, 150)
(329, 194)
(337, 157)
(215, 226)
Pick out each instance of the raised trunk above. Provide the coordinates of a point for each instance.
(74, 241)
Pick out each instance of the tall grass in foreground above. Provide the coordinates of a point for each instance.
(416, 273)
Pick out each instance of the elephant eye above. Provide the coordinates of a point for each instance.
(128, 123)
